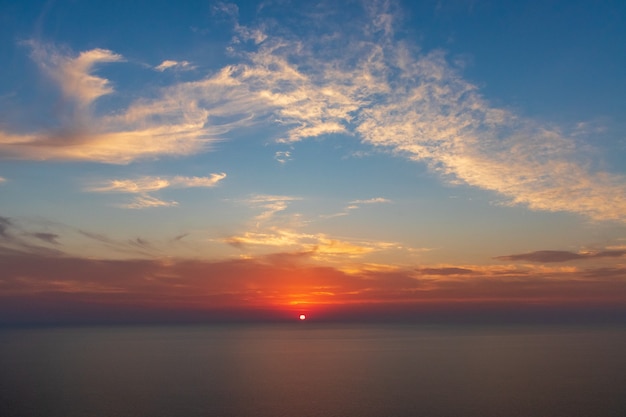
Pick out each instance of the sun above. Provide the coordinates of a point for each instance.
(302, 317)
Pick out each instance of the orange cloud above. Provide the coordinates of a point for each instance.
(284, 283)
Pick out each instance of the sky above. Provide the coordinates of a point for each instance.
(256, 160)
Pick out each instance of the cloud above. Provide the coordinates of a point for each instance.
(174, 123)
(47, 237)
(187, 182)
(561, 256)
(249, 34)
(73, 73)
(16, 240)
(355, 205)
(140, 185)
(2, 180)
(418, 106)
(375, 200)
(230, 10)
(140, 243)
(174, 65)
(134, 248)
(442, 120)
(357, 80)
(147, 201)
(95, 143)
(40, 237)
(283, 156)
(318, 245)
(271, 204)
(446, 271)
(147, 184)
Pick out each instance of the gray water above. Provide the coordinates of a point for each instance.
(313, 370)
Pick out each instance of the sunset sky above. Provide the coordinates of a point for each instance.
(207, 160)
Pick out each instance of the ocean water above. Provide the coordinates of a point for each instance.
(306, 369)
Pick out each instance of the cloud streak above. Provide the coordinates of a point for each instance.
(174, 65)
(15, 240)
(270, 204)
(148, 201)
(549, 256)
(145, 185)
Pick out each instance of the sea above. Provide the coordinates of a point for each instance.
(313, 370)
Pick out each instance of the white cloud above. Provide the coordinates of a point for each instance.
(175, 65)
(418, 106)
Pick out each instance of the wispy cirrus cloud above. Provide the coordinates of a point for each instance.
(147, 201)
(357, 80)
(270, 204)
(357, 204)
(147, 184)
(419, 106)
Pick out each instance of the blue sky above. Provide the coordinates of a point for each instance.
(446, 142)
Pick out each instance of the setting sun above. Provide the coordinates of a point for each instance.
(302, 317)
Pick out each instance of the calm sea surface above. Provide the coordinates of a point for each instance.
(308, 369)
